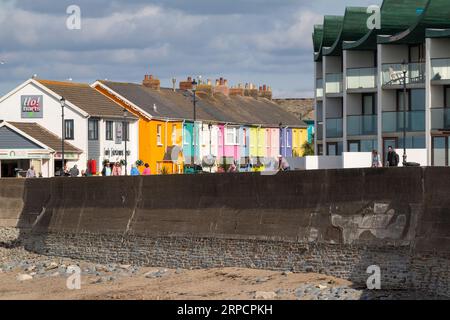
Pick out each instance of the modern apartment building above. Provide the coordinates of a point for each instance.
(360, 74)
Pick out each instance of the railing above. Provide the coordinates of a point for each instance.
(440, 118)
(334, 127)
(319, 88)
(319, 131)
(333, 83)
(362, 78)
(362, 125)
(393, 121)
(393, 74)
(440, 69)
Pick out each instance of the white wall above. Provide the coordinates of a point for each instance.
(356, 160)
(413, 155)
(204, 142)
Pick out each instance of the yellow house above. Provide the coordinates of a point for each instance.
(299, 137)
(160, 140)
(257, 148)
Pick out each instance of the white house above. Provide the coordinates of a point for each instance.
(93, 123)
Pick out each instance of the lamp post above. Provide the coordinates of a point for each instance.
(194, 90)
(125, 134)
(63, 134)
(405, 70)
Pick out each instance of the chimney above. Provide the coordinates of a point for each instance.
(266, 92)
(264, 88)
(222, 87)
(174, 84)
(209, 83)
(151, 82)
(217, 83)
(186, 85)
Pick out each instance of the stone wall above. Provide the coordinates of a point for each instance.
(337, 222)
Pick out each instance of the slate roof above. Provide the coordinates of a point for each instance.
(44, 136)
(178, 105)
(86, 98)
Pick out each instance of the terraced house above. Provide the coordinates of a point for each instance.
(232, 124)
(365, 76)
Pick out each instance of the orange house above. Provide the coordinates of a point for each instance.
(160, 139)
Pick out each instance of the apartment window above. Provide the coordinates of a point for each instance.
(354, 146)
(231, 137)
(244, 137)
(288, 138)
(109, 130)
(126, 130)
(68, 129)
(158, 135)
(174, 134)
(415, 100)
(369, 105)
(93, 129)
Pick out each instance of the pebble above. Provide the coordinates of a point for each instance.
(24, 277)
(265, 295)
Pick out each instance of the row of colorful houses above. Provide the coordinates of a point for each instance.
(240, 125)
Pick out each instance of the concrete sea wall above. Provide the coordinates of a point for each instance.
(337, 222)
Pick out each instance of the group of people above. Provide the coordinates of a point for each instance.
(393, 158)
(115, 169)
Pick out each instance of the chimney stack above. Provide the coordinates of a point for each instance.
(151, 82)
(222, 86)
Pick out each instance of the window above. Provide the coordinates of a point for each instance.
(267, 138)
(158, 135)
(174, 134)
(353, 146)
(69, 129)
(231, 136)
(369, 105)
(93, 129)
(109, 130)
(126, 130)
(415, 100)
(244, 137)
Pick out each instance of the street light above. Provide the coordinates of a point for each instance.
(194, 90)
(125, 134)
(63, 104)
(405, 71)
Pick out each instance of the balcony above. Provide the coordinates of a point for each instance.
(440, 69)
(333, 83)
(393, 121)
(392, 74)
(361, 78)
(334, 127)
(440, 119)
(362, 125)
(319, 88)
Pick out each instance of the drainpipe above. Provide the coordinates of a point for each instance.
(165, 136)
(182, 141)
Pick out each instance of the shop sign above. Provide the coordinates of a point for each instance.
(32, 106)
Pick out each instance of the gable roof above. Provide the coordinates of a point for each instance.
(94, 103)
(178, 105)
(44, 136)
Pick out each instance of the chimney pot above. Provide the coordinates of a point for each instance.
(264, 88)
(260, 88)
(151, 77)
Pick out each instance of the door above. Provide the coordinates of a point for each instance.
(388, 142)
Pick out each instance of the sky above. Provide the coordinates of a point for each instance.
(259, 41)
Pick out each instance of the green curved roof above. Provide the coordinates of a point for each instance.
(353, 28)
(396, 16)
(331, 27)
(437, 33)
(317, 36)
(435, 15)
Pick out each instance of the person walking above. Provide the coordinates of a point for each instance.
(74, 172)
(376, 163)
(134, 171)
(392, 157)
(233, 168)
(106, 171)
(147, 170)
(31, 173)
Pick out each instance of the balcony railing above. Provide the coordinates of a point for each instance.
(440, 118)
(334, 127)
(319, 131)
(393, 74)
(440, 69)
(393, 121)
(333, 83)
(319, 88)
(362, 78)
(362, 125)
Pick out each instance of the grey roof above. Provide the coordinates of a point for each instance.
(215, 108)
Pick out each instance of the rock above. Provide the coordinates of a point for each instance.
(321, 287)
(98, 280)
(52, 266)
(309, 269)
(24, 277)
(286, 273)
(280, 292)
(55, 274)
(265, 295)
(30, 268)
(262, 280)
(125, 266)
(156, 274)
(178, 271)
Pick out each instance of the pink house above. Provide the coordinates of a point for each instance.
(272, 142)
(228, 143)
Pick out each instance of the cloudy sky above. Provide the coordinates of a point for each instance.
(259, 41)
